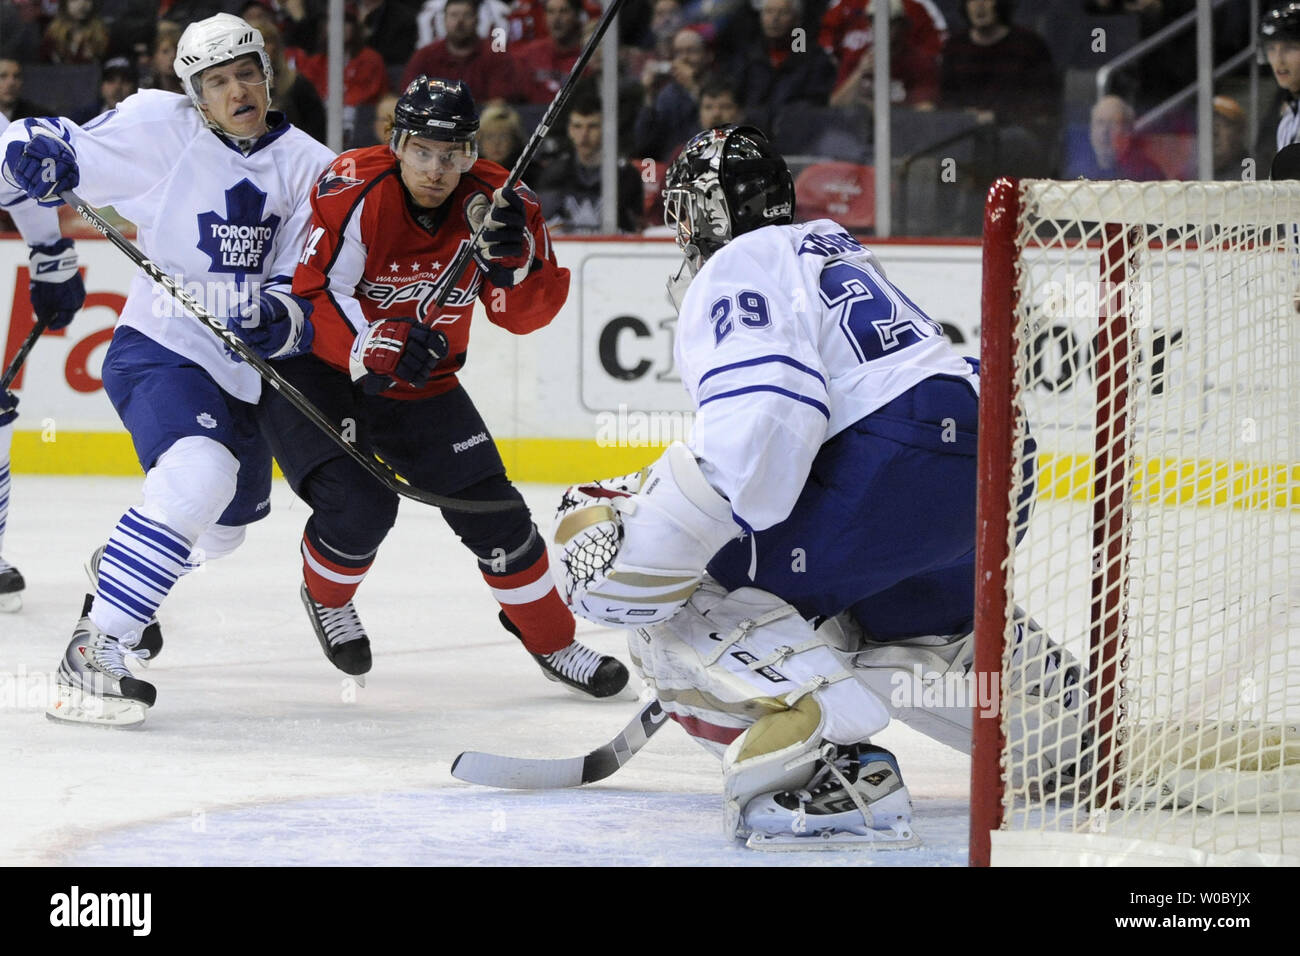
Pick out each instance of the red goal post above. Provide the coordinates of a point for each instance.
(1146, 337)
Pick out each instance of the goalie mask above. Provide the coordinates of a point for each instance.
(726, 182)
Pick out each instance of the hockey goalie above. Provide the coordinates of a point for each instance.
(814, 543)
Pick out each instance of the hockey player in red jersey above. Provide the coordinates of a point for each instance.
(386, 221)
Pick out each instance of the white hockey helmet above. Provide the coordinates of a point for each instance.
(211, 42)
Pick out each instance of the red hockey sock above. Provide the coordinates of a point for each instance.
(328, 582)
(530, 600)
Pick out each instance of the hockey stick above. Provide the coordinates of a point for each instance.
(456, 267)
(523, 773)
(232, 341)
(11, 372)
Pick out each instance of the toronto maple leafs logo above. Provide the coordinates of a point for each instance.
(238, 242)
(333, 183)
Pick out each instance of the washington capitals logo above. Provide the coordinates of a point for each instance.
(237, 242)
(332, 183)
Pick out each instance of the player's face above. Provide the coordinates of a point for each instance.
(1284, 58)
(235, 98)
(431, 169)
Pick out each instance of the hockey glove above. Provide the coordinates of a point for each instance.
(275, 326)
(396, 351)
(8, 408)
(632, 550)
(504, 247)
(56, 289)
(43, 167)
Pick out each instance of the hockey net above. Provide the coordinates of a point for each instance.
(1145, 336)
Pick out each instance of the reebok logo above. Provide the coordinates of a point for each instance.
(460, 446)
(76, 909)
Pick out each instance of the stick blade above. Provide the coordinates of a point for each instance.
(1286, 164)
(517, 773)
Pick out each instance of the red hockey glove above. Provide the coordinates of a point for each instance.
(396, 351)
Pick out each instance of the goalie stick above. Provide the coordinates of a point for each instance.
(232, 341)
(524, 773)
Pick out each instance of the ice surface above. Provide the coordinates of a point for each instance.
(258, 752)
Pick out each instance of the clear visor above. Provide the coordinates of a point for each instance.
(217, 81)
(433, 155)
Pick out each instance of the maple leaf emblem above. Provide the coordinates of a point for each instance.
(240, 241)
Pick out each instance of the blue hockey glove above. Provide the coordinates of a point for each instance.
(276, 325)
(396, 351)
(505, 247)
(8, 408)
(42, 167)
(56, 289)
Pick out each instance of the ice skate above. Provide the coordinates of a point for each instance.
(11, 587)
(856, 798)
(151, 639)
(578, 667)
(93, 684)
(341, 636)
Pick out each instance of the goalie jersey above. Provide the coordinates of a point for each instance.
(219, 222)
(787, 336)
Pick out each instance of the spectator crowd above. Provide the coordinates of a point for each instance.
(976, 71)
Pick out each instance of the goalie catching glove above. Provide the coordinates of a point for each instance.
(396, 352)
(632, 550)
(503, 244)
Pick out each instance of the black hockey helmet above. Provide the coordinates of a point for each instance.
(727, 181)
(1281, 23)
(437, 109)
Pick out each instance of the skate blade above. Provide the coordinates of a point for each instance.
(73, 707)
(9, 603)
(902, 838)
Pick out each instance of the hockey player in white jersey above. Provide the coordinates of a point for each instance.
(57, 293)
(829, 492)
(216, 184)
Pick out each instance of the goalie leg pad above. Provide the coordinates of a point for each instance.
(633, 559)
(726, 660)
(928, 684)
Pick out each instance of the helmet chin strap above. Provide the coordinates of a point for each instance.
(681, 281)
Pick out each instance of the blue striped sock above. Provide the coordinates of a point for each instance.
(141, 562)
(4, 501)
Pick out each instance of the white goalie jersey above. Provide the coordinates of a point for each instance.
(221, 223)
(787, 336)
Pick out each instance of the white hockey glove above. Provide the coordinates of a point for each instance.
(632, 550)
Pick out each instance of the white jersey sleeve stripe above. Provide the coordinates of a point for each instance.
(750, 389)
(762, 360)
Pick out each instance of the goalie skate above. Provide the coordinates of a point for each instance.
(11, 587)
(93, 684)
(151, 638)
(578, 667)
(341, 636)
(855, 800)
